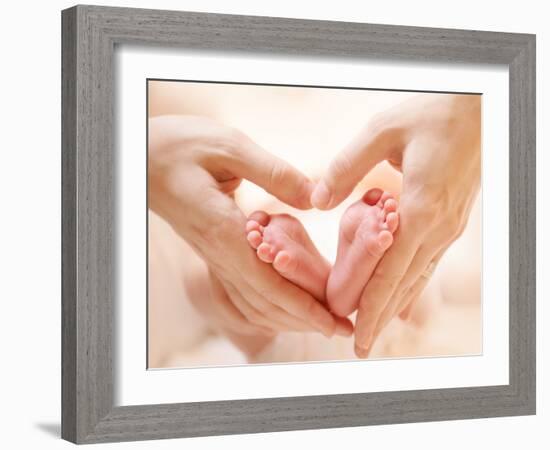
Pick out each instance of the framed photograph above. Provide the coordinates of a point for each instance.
(278, 224)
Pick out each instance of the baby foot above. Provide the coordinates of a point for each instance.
(366, 232)
(282, 240)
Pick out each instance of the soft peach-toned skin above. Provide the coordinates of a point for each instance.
(181, 337)
(366, 232)
(435, 141)
(204, 105)
(194, 166)
(281, 240)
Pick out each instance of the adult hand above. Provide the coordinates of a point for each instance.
(435, 141)
(194, 166)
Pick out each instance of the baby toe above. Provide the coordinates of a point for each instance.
(385, 239)
(390, 205)
(260, 216)
(385, 197)
(372, 196)
(252, 225)
(265, 252)
(283, 262)
(392, 221)
(254, 238)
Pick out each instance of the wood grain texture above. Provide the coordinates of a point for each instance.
(88, 297)
(68, 225)
(522, 226)
(88, 208)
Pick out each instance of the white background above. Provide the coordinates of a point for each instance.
(30, 225)
(135, 386)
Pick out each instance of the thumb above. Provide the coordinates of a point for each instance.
(367, 149)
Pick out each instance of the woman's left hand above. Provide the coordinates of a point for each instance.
(194, 166)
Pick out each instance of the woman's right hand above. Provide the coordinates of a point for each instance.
(435, 141)
(194, 166)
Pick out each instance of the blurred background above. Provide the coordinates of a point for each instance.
(306, 127)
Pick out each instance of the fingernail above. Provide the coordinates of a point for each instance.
(342, 329)
(320, 198)
(327, 333)
(308, 193)
(361, 352)
(327, 326)
(343, 332)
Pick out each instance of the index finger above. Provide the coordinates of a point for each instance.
(380, 288)
(358, 158)
(273, 174)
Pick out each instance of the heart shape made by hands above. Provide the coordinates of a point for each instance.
(365, 233)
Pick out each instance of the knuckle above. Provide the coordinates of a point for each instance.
(233, 138)
(390, 278)
(266, 292)
(402, 292)
(383, 127)
(419, 212)
(312, 308)
(220, 226)
(225, 146)
(422, 215)
(254, 317)
(341, 166)
(453, 225)
(266, 309)
(459, 228)
(277, 174)
(378, 125)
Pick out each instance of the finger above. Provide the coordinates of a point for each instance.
(411, 297)
(267, 284)
(426, 258)
(300, 304)
(413, 294)
(250, 313)
(271, 173)
(278, 318)
(421, 261)
(410, 300)
(234, 321)
(380, 288)
(265, 314)
(344, 326)
(367, 149)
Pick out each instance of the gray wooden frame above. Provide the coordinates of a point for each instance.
(89, 37)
